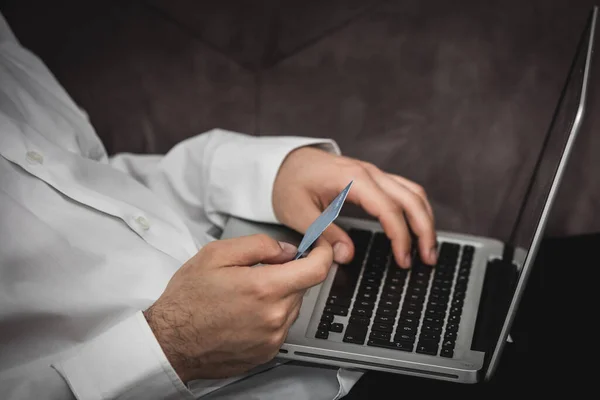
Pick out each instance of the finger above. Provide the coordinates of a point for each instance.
(343, 247)
(246, 251)
(416, 211)
(416, 189)
(368, 195)
(301, 274)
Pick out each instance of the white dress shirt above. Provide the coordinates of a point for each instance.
(88, 241)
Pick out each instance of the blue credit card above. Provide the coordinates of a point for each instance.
(322, 222)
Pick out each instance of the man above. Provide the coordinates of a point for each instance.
(111, 286)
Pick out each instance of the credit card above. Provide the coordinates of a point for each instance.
(322, 222)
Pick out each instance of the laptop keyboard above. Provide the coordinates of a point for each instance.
(418, 309)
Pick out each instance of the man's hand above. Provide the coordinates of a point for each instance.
(310, 178)
(219, 317)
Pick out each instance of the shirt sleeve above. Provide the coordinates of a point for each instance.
(219, 172)
(124, 362)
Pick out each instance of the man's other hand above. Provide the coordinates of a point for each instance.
(219, 316)
(310, 178)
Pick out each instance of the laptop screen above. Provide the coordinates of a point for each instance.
(551, 161)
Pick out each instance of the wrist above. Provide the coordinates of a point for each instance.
(169, 340)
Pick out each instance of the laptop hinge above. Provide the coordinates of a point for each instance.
(497, 291)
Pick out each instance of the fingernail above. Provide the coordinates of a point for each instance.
(340, 252)
(407, 261)
(288, 248)
(433, 255)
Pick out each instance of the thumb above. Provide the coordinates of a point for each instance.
(247, 251)
(343, 247)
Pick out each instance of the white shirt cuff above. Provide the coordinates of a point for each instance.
(251, 166)
(125, 362)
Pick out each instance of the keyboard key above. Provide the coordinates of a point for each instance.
(365, 304)
(396, 281)
(356, 320)
(404, 337)
(385, 319)
(389, 303)
(390, 295)
(449, 353)
(431, 328)
(367, 296)
(410, 313)
(405, 346)
(326, 317)
(368, 288)
(336, 327)
(430, 336)
(336, 310)
(322, 334)
(382, 327)
(450, 336)
(454, 319)
(371, 280)
(433, 321)
(380, 335)
(336, 301)
(408, 321)
(413, 305)
(427, 347)
(324, 326)
(393, 288)
(406, 329)
(355, 334)
(452, 327)
(386, 311)
(362, 312)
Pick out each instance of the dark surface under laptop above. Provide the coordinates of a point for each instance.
(552, 338)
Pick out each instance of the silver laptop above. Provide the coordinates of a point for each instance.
(450, 321)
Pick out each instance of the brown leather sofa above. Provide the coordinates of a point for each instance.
(456, 95)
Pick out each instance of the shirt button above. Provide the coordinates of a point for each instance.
(33, 157)
(143, 223)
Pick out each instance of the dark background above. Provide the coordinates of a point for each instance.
(455, 95)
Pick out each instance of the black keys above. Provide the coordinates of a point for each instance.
(322, 334)
(324, 326)
(447, 353)
(404, 337)
(382, 327)
(336, 310)
(336, 327)
(336, 301)
(405, 346)
(427, 347)
(362, 312)
(384, 319)
(456, 305)
(326, 317)
(357, 320)
(356, 334)
(364, 303)
(380, 335)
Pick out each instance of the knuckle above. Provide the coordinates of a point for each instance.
(275, 318)
(420, 190)
(210, 249)
(260, 289)
(358, 170)
(322, 271)
(370, 166)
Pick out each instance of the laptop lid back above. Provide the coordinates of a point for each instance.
(546, 177)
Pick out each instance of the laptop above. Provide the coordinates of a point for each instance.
(450, 321)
